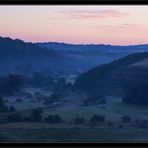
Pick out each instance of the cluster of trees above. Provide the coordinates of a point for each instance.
(40, 80)
(4, 108)
(48, 82)
(97, 119)
(53, 119)
(136, 93)
(36, 116)
(11, 84)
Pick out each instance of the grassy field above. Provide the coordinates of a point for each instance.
(74, 135)
(65, 131)
(86, 112)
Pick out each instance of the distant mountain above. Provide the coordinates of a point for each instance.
(113, 77)
(91, 55)
(93, 47)
(17, 56)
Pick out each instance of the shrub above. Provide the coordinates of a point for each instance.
(125, 119)
(12, 108)
(144, 124)
(97, 119)
(53, 119)
(36, 114)
(136, 93)
(3, 107)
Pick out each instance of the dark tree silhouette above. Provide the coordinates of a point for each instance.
(36, 114)
(136, 93)
(3, 107)
(15, 83)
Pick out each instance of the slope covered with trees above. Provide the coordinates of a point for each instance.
(17, 56)
(114, 77)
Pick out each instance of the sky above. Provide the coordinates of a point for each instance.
(77, 24)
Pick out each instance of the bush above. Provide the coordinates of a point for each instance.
(144, 124)
(125, 119)
(97, 119)
(3, 107)
(36, 114)
(57, 118)
(12, 108)
(136, 93)
(53, 119)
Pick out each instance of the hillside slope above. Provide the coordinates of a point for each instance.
(89, 56)
(113, 77)
(17, 56)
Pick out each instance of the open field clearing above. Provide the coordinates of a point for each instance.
(75, 135)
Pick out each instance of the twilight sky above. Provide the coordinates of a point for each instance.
(117, 25)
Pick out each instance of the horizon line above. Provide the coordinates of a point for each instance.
(62, 42)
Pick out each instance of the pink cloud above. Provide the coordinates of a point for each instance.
(84, 14)
(125, 26)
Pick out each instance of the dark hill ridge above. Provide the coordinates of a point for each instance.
(114, 76)
(17, 56)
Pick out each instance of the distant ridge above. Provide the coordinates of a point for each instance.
(17, 56)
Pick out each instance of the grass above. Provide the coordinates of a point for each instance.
(66, 132)
(129, 109)
(76, 135)
(86, 112)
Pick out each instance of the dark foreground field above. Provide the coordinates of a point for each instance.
(74, 135)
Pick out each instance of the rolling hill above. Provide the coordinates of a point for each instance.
(17, 56)
(89, 56)
(113, 77)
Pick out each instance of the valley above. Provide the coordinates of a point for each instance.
(92, 92)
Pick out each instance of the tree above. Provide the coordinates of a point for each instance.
(69, 86)
(60, 84)
(97, 119)
(57, 118)
(12, 108)
(53, 119)
(36, 114)
(15, 83)
(3, 107)
(39, 80)
(136, 93)
(125, 119)
(144, 124)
